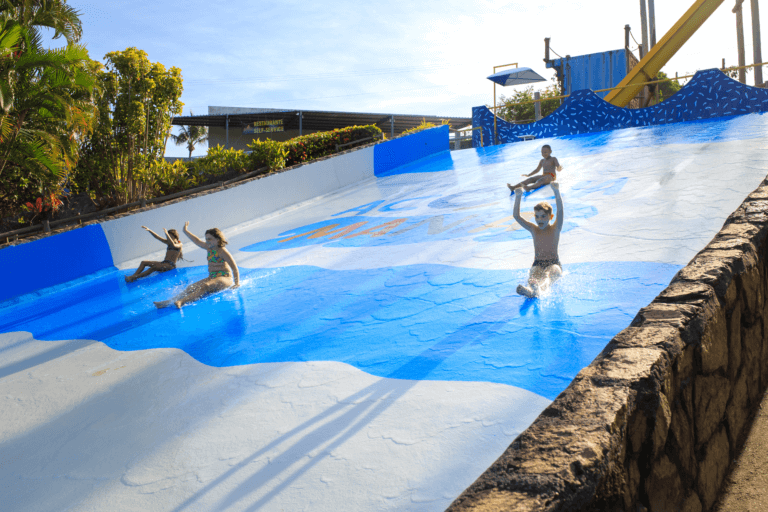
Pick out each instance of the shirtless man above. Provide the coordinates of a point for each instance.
(546, 237)
(549, 166)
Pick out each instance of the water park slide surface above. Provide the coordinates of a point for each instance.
(376, 356)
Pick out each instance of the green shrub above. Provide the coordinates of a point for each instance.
(268, 153)
(219, 161)
(317, 145)
(520, 107)
(163, 178)
(423, 126)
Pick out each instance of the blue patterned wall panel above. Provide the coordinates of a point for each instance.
(709, 94)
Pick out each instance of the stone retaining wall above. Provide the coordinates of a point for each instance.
(653, 423)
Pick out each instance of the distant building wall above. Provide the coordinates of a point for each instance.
(241, 136)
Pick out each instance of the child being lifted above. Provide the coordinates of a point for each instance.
(546, 264)
(549, 167)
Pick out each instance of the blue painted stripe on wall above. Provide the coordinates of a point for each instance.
(54, 260)
(402, 151)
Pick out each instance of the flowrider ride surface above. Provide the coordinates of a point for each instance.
(376, 356)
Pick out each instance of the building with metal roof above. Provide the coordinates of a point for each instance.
(235, 127)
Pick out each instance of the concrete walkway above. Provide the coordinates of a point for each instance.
(746, 488)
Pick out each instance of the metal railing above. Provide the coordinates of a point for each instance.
(457, 139)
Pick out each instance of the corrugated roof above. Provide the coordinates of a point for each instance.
(316, 120)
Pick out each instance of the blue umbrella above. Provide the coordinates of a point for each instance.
(516, 76)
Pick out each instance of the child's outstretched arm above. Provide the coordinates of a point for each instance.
(516, 212)
(168, 240)
(537, 169)
(194, 238)
(559, 201)
(155, 235)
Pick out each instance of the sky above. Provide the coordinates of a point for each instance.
(398, 57)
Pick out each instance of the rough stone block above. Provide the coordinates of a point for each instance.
(633, 480)
(752, 341)
(734, 341)
(661, 426)
(743, 231)
(684, 367)
(732, 294)
(664, 487)
(759, 193)
(681, 430)
(627, 364)
(737, 411)
(755, 211)
(638, 425)
(752, 293)
(713, 467)
(692, 503)
(764, 366)
(711, 394)
(664, 315)
(715, 268)
(714, 342)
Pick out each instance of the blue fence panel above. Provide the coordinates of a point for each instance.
(594, 71)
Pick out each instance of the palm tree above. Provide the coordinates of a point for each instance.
(45, 100)
(55, 14)
(191, 136)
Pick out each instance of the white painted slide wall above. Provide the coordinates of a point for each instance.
(239, 204)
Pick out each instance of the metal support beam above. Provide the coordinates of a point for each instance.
(652, 22)
(756, 49)
(537, 105)
(664, 50)
(740, 40)
(392, 127)
(626, 45)
(643, 29)
(226, 129)
(301, 120)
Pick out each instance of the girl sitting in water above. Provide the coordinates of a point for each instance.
(172, 255)
(221, 268)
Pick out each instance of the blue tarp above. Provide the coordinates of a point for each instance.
(594, 71)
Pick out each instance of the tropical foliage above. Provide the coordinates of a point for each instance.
(192, 136)
(276, 155)
(137, 102)
(520, 106)
(317, 145)
(220, 160)
(666, 88)
(268, 153)
(45, 103)
(424, 125)
(161, 177)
